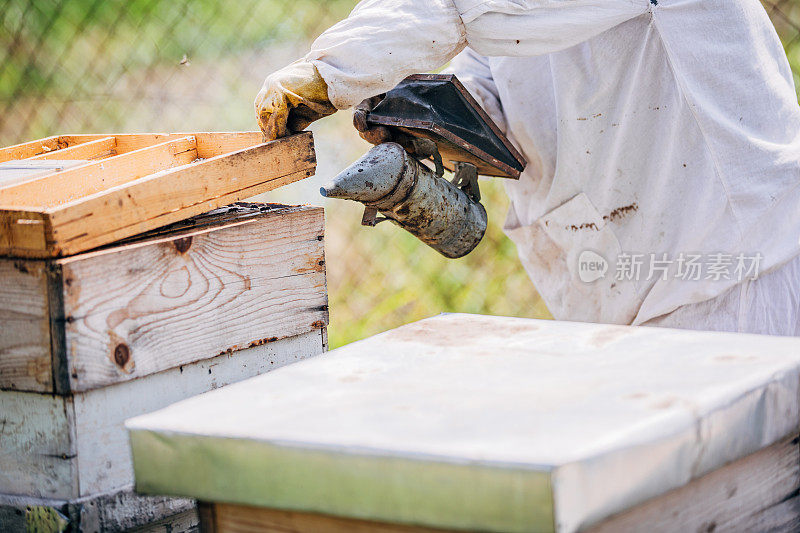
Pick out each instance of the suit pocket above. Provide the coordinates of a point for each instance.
(571, 254)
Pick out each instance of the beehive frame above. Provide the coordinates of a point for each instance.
(70, 193)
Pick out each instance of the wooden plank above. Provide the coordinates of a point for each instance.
(140, 309)
(32, 148)
(738, 497)
(44, 146)
(170, 298)
(121, 510)
(129, 142)
(25, 362)
(111, 199)
(185, 522)
(88, 179)
(209, 144)
(179, 193)
(68, 447)
(232, 518)
(38, 452)
(23, 231)
(218, 143)
(89, 150)
(169, 218)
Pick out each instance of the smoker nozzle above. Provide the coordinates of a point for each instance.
(372, 177)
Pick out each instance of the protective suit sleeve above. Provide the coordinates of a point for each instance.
(473, 71)
(383, 41)
(524, 28)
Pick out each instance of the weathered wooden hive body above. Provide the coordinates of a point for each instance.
(89, 338)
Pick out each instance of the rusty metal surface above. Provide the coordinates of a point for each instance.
(409, 194)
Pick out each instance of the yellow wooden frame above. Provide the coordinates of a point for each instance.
(131, 183)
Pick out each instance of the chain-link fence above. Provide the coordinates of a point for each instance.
(135, 65)
(94, 66)
(785, 15)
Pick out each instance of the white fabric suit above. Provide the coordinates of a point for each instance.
(653, 130)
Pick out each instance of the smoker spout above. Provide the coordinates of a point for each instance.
(370, 178)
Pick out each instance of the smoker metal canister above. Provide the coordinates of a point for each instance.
(408, 193)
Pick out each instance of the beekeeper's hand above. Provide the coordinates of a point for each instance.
(373, 134)
(291, 99)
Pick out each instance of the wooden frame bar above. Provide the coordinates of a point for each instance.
(95, 177)
(42, 146)
(88, 150)
(148, 180)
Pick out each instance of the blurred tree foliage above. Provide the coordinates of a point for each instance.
(61, 60)
(47, 44)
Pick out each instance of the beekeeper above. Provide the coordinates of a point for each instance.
(662, 139)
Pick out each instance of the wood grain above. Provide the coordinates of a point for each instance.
(231, 518)
(123, 201)
(209, 144)
(214, 144)
(756, 493)
(158, 302)
(70, 184)
(37, 445)
(192, 296)
(117, 511)
(22, 231)
(25, 362)
(76, 446)
(89, 150)
(33, 148)
(86, 241)
(179, 193)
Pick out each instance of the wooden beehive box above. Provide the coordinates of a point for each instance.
(67, 194)
(89, 339)
(214, 284)
(476, 423)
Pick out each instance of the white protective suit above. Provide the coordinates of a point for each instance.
(668, 128)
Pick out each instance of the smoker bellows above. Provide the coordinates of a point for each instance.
(429, 116)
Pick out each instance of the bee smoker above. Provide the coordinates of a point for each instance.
(389, 180)
(431, 116)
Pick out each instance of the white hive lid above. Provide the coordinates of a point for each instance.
(465, 421)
